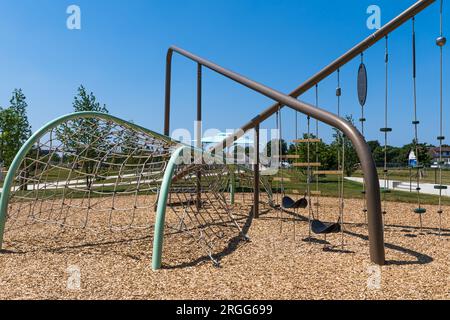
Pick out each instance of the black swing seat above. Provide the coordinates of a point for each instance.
(420, 210)
(289, 203)
(319, 227)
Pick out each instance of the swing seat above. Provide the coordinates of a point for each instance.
(289, 203)
(319, 227)
(420, 211)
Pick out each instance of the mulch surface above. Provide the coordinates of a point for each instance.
(279, 262)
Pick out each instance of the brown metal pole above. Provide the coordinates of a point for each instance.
(199, 96)
(199, 132)
(342, 60)
(256, 185)
(325, 72)
(376, 232)
(168, 92)
(375, 220)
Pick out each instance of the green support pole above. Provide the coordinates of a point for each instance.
(232, 186)
(158, 239)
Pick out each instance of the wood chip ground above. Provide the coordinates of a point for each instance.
(276, 264)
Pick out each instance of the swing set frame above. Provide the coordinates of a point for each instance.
(374, 208)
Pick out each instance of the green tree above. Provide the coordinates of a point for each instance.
(320, 151)
(424, 156)
(9, 135)
(19, 104)
(14, 126)
(86, 137)
(276, 142)
(87, 102)
(351, 160)
(374, 145)
(377, 152)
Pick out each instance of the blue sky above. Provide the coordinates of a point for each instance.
(120, 53)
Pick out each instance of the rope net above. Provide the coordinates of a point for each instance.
(92, 181)
(88, 174)
(212, 205)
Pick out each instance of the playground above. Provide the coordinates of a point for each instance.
(93, 206)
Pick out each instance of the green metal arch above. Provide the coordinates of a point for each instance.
(4, 199)
(158, 238)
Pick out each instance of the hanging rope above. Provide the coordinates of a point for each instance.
(308, 173)
(441, 41)
(280, 164)
(419, 210)
(313, 217)
(386, 130)
(341, 159)
(277, 123)
(363, 120)
(280, 146)
(317, 201)
(296, 153)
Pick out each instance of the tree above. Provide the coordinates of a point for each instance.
(18, 103)
(377, 152)
(9, 135)
(87, 102)
(351, 159)
(14, 126)
(423, 157)
(373, 145)
(320, 151)
(276, 143)
(86, 137)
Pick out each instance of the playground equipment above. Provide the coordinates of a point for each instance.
(386, 130)
(441, 41)
(419, 210)
(287, 202)
(374, 210)
(202, 197)
(72, 173)
(362, 97)
(317, 226)
(92, 177)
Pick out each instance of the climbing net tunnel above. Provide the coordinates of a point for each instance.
(208, 200)
(90, 178)
(88, 172)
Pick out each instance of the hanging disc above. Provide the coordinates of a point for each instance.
(362, 84)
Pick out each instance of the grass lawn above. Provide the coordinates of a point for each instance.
(296, 180)
(328, 185)
(431, 175)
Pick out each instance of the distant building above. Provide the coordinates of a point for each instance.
(436, 155)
